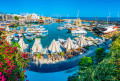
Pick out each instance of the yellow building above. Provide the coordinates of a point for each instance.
(78, 22)
(46, 18)
(21, 18)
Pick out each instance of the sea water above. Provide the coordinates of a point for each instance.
(53, 33)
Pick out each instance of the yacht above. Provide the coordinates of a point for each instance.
(60, 27)
(107, 28)
(72, 28)
(16, 37)
(42, 34)
(67, 25)
(78, 31)
(38, 31)
(29, 36)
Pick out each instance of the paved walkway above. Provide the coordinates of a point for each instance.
(63, 65)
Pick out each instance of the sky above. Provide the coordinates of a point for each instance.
(63, 8)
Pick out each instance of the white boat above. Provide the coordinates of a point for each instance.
(67, 25)
(60, 27)
(107, 28)
(29, 36)
(16, 37)
(41, 34)
(78, 31)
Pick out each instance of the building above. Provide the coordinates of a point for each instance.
(2, 17)
(34, 16)
(8, 17)
(46, 18)
(21, 18)
(28, 17)
(78, 22)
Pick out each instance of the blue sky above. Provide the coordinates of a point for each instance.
(87, 8)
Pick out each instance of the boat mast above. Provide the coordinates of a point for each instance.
(67, 17)
(107, 20)
(118, 15)
(78, 13)
(109, 16)
(77, 16)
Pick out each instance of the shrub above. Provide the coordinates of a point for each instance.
(12, 63)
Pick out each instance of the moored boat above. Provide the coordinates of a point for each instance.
(16, 37)
(60, 27)
(106, 28)
(78, 31)
(29, 36)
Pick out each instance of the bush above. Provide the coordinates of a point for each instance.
(100, 54)
(62, 54)
(85, 61)
(12, 63)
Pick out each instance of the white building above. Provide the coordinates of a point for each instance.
(34, 16)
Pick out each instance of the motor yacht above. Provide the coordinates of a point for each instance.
(78, 31)
(107, 28)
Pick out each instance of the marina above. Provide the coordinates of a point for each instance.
(59, 40)
(49, 49)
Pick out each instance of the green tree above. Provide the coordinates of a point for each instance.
(85, 61)
(40, 17)
(0, 33)
(62, 54)
(15, 44)
(38, 56)
(100, 54)
(107, 69)
(16, 18)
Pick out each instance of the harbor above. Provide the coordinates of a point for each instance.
(41, 41)
(56, 47)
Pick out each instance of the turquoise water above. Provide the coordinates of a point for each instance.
(46, 41)
(53, 33)
(54, 76)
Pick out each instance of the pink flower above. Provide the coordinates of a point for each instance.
(5, 47)
(3, 37)
(0, 42)
(15, 48)
(7, 43)
(0, 73)
(4, 70)
(10, 48)
(6, 50)
(25, 76)
(6, 59)
(1, 63)
(24, 55)
(24, 70)
(4, 53)
(3, 78)
(8, 62)
(11, 51)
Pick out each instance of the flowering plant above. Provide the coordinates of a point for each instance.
(12, 62)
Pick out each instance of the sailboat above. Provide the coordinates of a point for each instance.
(60, 27)
(79, 29)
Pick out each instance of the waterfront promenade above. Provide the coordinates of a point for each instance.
(64, 65)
